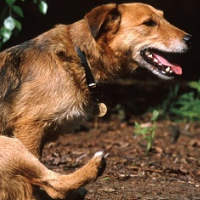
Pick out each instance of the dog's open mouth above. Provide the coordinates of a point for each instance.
(160, 65)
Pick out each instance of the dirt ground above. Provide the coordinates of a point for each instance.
(170, 171)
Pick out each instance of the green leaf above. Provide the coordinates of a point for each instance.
(6, 34)
(18, 25)
(43, 7)
(195, 85)
(9, 23)
(10, 2)
(155, 115)
(18, 11)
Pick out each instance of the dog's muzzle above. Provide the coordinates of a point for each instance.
(188, 40)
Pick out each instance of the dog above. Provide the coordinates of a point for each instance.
(50, 84)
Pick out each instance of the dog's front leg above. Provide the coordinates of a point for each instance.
(62, 186)
(20, 170)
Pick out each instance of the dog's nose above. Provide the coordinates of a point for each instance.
(188, 40)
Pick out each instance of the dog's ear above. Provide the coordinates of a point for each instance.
(104, 18)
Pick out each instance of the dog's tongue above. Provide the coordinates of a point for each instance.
(175, 68)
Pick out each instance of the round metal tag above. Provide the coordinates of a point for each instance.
(102, 109)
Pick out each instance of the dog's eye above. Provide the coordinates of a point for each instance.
(150, 22)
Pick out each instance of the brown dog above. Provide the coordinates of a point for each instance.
(47, 84)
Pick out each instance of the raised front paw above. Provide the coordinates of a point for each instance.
(95, 167)
(100, 161)
(64, 186)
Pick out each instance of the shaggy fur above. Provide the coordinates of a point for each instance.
(44, 93)
(20, 170)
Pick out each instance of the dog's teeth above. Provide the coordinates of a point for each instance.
(171, 71)
(160, 64)
(155, 60)
(168, 69)
(147, 53)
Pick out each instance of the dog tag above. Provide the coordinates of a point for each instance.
(102, 109)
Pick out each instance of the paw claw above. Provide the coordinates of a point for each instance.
(99, 154)
(101, 167)
(102, 162)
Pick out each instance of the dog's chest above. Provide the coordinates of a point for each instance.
(71, 117)
(74, 108)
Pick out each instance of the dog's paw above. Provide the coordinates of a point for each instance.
(99, 162)
(91, 171)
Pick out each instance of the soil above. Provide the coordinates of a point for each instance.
(171, 169)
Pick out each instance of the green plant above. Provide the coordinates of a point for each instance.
(148, 132)
(187, 105)
(169, 102)
(9, 22)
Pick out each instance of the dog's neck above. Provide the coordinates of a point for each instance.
(89, 76)
(105, 64)
(94, 89)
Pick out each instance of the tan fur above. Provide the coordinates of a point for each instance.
(44, 93)
(19, 170)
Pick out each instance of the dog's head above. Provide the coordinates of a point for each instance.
(139, 34)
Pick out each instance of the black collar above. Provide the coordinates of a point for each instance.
(95, 90)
